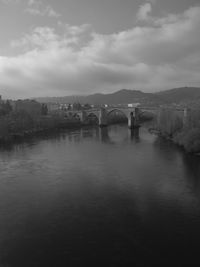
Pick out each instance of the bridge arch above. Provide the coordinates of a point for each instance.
(117, 110)
(92, 116)
(146, 115)
(116, 115)
(76, 116)
(146, 112)
(103, 118)
(94, 112)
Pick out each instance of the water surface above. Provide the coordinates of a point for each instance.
(99, 197)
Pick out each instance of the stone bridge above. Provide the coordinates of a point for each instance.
(133, 114)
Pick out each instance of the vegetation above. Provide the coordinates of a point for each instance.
(170, 125)
(28, 117)
(5, 108)
(189, 136)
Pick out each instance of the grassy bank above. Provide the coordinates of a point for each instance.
(186, 134)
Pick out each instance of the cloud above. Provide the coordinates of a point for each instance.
(153, 1)
(7, 2)
(143, 12)
(45, 38)
(77, 60)
(41, 37)
(37, 8)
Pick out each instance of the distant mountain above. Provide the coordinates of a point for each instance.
(123, 96)
(181, 95)
(185, 95)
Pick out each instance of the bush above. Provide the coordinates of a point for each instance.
(189, 139)
(188, 136)
(169, 123)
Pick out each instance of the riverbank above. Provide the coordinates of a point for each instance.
(14, 129)
(181, 130)
(188, 139)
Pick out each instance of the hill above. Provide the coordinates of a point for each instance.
(123, 96)
(182, 96)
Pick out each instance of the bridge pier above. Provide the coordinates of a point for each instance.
(133, 119)
(83, 116)
(103, 118)
(137, 119)
(134, 134)
(185, 116)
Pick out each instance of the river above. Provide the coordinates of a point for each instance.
(98, 197)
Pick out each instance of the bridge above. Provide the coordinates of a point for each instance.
(133, 114)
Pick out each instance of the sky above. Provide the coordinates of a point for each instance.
(70, 47)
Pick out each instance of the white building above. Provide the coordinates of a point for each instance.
(133, 105)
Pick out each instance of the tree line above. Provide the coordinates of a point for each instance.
(26, 117)
(184, 132)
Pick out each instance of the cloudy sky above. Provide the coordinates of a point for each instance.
(65, 47)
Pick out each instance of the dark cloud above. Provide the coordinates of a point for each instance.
(159, 55)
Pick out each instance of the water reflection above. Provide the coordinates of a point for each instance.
(103, 135)
(166, 150)
(192, 172)
(107, 135)
(108, 196)
(134, 134)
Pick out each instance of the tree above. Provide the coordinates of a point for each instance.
(44, 109)
(77, 106)
(5, 108)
